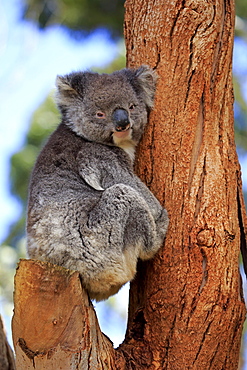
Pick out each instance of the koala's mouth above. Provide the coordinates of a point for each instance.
(123, 128)
(121, 132)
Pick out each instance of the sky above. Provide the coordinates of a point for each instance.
(29, 62)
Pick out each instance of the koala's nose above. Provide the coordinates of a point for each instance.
(120, 118)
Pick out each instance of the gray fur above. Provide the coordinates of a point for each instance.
(87, 210)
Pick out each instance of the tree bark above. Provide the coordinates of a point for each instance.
(54, 324)
(7, 361)
(186, 308)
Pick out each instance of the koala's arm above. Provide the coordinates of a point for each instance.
(104, 168)
(158, 212)
(101, 168)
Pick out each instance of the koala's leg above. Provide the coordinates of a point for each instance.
(102, 244)
(122, 219)
(120, 229)
(158, 212)
(162, 223)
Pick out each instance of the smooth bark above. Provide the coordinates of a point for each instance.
(54, 324)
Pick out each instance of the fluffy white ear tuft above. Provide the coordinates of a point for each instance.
(143, 80)
(147, 79)
(65, 91)
(63, 83)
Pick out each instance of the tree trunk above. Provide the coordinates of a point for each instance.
(7, 361)
(186, 309)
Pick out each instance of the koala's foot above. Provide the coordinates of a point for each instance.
(119, 227)
(121, 219)
(160, 231)
(162, 224)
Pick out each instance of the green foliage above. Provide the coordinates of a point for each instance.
(241, 8)
(241, 117)
(78, 16)
(43, 123)
(9, 258)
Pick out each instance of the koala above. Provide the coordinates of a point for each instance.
(87, 210)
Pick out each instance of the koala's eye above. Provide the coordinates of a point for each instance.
(132, 106)
(100, 115)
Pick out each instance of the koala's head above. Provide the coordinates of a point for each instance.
(110, 109)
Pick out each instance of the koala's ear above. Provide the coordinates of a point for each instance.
(67, 90)
(144, 81)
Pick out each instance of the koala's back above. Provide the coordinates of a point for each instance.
(56, 189)
(56, 167)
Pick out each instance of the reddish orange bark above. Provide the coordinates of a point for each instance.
(54, 324)
(189, 302)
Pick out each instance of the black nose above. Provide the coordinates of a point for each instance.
(120, 118)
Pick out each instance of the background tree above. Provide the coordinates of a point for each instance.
(7, 361)
(79, 17)
(186, 307)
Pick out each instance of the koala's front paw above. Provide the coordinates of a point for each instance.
(161, 228)
(162, 224)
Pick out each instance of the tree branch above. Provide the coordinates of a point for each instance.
(54, 323)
